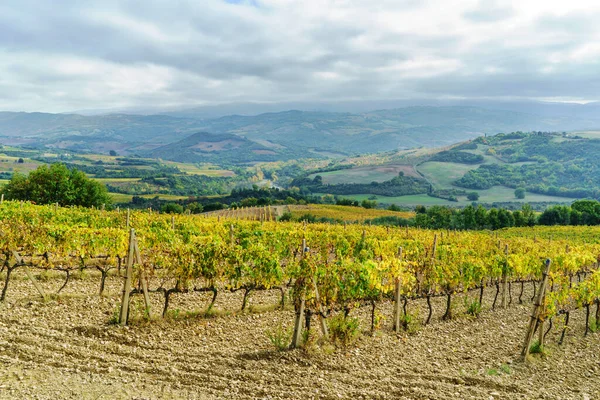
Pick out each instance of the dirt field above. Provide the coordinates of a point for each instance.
(65, 349)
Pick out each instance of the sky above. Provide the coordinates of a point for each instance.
(57, 56)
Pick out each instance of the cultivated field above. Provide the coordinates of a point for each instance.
(65, 348)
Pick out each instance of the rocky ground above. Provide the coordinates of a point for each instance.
(65, 348)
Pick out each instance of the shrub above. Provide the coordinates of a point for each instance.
(343, 330)
(410, 322)
(473, 307)
(536, 348)
(280, 337)
(286, 216)
(473, 196)
(172, 208)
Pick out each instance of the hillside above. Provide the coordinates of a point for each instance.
(124, 133)
(302, 133)
(203, 147)
(552, 167)
(551, 164)
(385, 130)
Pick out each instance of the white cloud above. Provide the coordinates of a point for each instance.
(117, 53)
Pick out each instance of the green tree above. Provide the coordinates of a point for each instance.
(473, 196)
(493, 220)
(529, 217)
(57, 184)
(589, 210)
(195, 207)
(520, 193)
(481, 217)
(557, 215)
(368, 204)
(172, 208)
(468, 218)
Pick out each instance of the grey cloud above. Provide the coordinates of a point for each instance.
(214, 52)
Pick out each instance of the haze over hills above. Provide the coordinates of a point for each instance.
(554, 109)
(286, 134)
(223, 148)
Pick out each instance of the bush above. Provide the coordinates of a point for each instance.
(368, 204)
(394, 207)
(473, 196)
(520, 193)
(473, 307)
(410, 322)
(346, 202)
(343, 330)
(172, 208)
(286, 216)
(537, 348)
(195, 207)
(213, 206)
(280, 337)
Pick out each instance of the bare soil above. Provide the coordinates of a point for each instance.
(65, 348)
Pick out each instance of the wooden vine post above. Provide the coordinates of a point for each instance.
(322, 321)
(128, 213)
(397, 291)
(138, 259)
(28, 273)
(535, 314)
(128, 277)
(504, 277)
(299, 311)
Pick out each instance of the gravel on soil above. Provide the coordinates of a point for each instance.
(65, 348)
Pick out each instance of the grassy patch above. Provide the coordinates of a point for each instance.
(280, 337)
(442, 174)
(366, 174)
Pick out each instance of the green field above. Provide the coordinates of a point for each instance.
(443, 174)
(11, 164)
(117, 180)
(588, 134)
(411, 200)
(503, 193)
(492, 195)
(365, 175)
(120, 197)
(194, 169)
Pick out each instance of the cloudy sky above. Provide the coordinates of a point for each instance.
(65, 55)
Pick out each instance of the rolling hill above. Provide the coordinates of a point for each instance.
(278, 135)
(552, 167)
(224, 148)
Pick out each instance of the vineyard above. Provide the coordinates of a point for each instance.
(329, 212)
(318, 271)
(323, 268)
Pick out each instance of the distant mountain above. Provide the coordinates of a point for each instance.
(84, 133)
(553, 109)
(289, 134)
(204, 147)
(386, 130)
